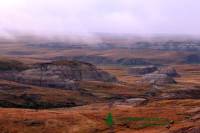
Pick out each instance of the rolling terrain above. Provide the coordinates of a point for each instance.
(117, 85)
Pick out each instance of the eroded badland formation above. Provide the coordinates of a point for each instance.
(118, 85)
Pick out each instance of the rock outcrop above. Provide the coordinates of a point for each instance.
(136, 101)
(62, 74)
(158, 79)
(162, 76)
(169, 71)
(142, 70)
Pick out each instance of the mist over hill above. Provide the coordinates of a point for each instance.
(108, 41)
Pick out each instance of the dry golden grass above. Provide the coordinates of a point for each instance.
(190, 74)
(16, 93)
(121, 73)
(90, 119)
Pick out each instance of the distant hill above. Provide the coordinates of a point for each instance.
(109, 41)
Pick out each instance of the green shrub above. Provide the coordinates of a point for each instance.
(109, 120)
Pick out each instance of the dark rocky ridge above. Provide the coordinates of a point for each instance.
(12, 65)
(185, 93)
(192, 59)
(142, 70)
(134, 61)
(106, 60)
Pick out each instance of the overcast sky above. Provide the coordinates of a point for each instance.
(60, 17)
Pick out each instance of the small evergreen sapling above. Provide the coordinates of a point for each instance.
(109, 120)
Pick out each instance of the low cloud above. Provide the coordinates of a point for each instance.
(64, 17)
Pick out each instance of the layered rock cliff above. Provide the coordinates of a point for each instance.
(60, 74)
